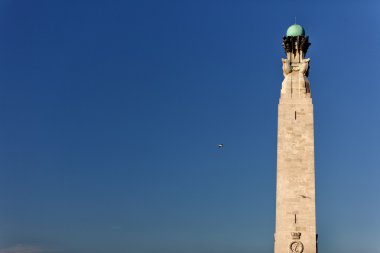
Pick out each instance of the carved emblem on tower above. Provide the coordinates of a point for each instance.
(296, 235)
(296, 247)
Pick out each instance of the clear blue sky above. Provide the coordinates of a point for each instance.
(111, 112)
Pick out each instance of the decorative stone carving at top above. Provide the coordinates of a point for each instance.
(292, 44)
(295, 67)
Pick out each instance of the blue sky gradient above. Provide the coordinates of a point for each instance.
(111, 112)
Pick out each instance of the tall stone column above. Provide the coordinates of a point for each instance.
(295, 230)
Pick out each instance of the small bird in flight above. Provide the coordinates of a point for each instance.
(221, 145)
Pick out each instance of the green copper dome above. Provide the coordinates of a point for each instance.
(295, 30)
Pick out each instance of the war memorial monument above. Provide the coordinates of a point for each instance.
(295, 230)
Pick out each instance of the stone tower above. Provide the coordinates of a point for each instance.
(295, 230)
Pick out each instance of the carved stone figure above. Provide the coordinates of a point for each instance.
(286, 70)
(303, 73)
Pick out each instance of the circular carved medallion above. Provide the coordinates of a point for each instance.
(296, 247)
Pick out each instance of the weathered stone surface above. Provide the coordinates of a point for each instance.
(295, 195)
